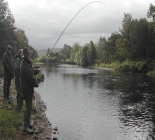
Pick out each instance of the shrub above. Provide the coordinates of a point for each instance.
(40, 77)
(37, 65)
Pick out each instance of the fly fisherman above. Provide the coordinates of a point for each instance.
(8, 71)
(17, 62)
(28, 83)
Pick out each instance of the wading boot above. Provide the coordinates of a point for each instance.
(31, 126)
(27, 131)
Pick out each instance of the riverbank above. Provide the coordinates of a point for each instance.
(143, 67)
(42, 127)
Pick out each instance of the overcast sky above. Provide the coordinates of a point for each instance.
(44, 20)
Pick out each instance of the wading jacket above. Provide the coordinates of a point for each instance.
(8, 65)
(28, 81)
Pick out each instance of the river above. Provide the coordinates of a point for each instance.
(98, 104)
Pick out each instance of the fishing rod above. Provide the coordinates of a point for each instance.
(66, 28)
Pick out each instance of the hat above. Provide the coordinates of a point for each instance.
(26, 51)
(9, 47)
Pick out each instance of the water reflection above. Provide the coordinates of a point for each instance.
(99, 104)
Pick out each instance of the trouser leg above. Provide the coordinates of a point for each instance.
(5, 85)
(27, 114)
(6, 88)
(18, 86)
(19, 93)
(19, 103)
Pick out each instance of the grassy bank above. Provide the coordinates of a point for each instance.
(145, 67)
(10, 120)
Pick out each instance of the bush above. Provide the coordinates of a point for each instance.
(40, 77)
(42, 59)
(37, 65)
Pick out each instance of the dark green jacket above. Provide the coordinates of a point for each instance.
(8, 65)
(28, 81)
(17, 62)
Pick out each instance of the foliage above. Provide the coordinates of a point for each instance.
(21, 41)
(48, 52)
(99, 48)
(9, 34)
(76, 47)
(86, 55)
(132, 66)
(92, 54)
(39, 77)
(135, 41)
(130, 49)
(150, 10)
(151, 73)
(37, 65)
(6, 27)
(9, 121)
(42, 59)
(66, 51)
(34, 53)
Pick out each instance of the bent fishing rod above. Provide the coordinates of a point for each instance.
(65, 29)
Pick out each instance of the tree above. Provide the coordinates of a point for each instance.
(67, 50)
(99, 48)
(74, 50)
(34, 53)
(126, 33)
(48, 52)
(150, 10)
(6, 27)
(21, 41)
(84, 56)
(109, 48)
(92, 54)
(78, 56)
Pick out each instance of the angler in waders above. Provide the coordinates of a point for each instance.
(17, 62)
(28, 83)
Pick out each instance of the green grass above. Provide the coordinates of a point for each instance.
(10, 121)
(129, 66)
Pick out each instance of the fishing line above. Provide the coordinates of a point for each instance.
(67, 27)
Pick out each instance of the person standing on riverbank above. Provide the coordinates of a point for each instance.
(28, 83)
(8, 71)
(17, 62)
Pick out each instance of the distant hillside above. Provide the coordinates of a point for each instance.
(43, 52)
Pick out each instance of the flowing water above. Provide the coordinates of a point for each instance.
(98, 104)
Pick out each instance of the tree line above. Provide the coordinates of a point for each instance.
(11, 35)
(134, 42)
